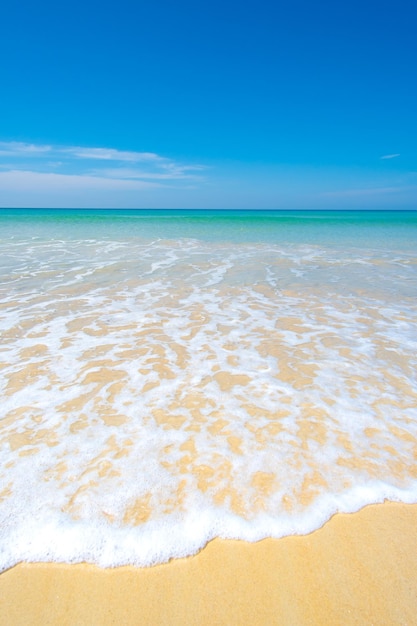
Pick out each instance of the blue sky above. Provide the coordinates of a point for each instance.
(208, 104)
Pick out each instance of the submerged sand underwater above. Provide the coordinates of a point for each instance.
(161, 394)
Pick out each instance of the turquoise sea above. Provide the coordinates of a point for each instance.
(344, 227)
(172, 376)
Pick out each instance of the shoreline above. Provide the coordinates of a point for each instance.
(358, 568)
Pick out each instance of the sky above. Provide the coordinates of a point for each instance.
(211, 104)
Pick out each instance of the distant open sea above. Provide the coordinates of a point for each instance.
(169, 376)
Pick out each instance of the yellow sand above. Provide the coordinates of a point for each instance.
(357, 569)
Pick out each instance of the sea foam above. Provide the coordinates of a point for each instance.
(156, 395)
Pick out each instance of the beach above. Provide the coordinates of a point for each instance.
(357, 569)
(208, 417)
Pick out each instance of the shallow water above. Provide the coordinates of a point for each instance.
(168, 378)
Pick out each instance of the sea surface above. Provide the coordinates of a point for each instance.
(168, 377)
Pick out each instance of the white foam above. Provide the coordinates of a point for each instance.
(155, 396)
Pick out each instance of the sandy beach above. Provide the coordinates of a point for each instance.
(357, 569)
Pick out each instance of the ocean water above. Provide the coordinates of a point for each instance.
(168, 377)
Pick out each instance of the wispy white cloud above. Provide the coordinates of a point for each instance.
(41, 181)
(18, 148)
(111, 154)
(178, 173)
(390, 156)
(90, 166)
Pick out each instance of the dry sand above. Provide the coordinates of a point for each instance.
(357, 569)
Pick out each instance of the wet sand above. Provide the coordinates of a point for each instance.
(357, 569)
